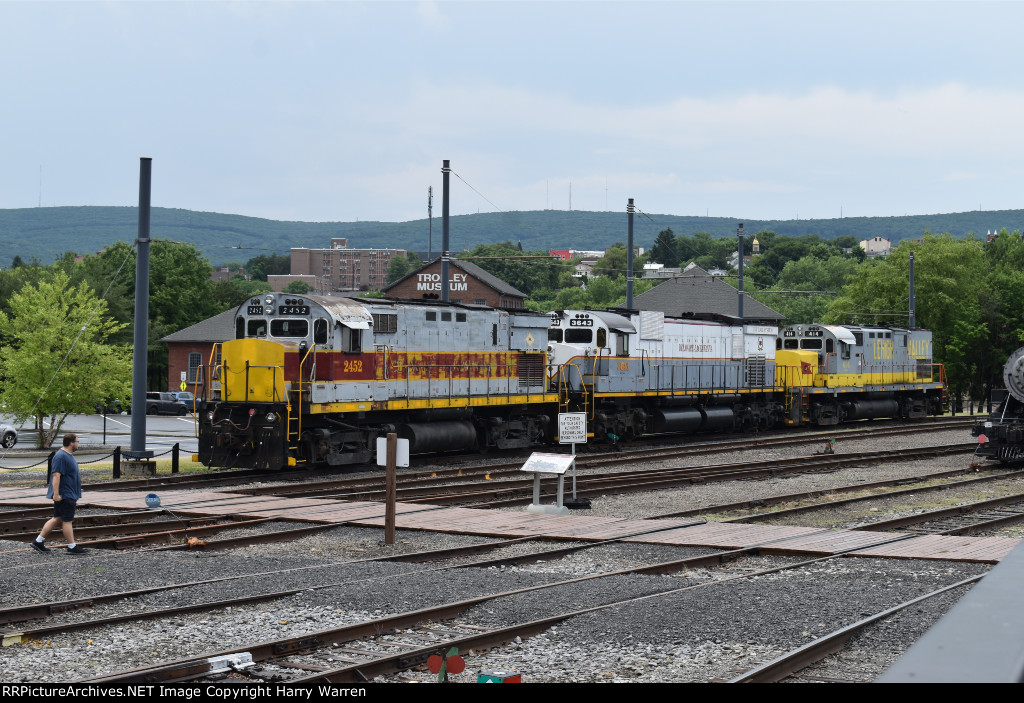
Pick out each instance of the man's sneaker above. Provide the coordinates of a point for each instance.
(39, 547)
(78, 549)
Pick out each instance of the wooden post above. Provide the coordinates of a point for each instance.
(391, 489)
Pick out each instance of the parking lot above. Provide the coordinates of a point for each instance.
(96, 431)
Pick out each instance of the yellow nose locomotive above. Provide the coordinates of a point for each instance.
(315, 380)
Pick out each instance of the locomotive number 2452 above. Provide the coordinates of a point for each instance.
(353, 366)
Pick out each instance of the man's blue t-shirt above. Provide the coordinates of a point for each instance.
(70, 481)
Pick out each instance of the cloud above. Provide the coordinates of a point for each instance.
(431, 17)
(953, 118)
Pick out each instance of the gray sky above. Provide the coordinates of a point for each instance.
(341, 111)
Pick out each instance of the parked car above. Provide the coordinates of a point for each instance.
(9, 435)
(109, 407)
(185, 397)
(164, 404)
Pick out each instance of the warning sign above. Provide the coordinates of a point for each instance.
(572, 428)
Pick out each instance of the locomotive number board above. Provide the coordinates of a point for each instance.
(292, 309)
(581, 322)
(255, 310)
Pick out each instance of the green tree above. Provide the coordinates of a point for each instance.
(665, 250)
(525, 271)
(232, 292)
(398, 267)
(823, 279)
(57, 358)
(259, 267)
(613, 263)
(180, 293)
(950, 285)
(846, 241)
(1001, 308)
(297, 288)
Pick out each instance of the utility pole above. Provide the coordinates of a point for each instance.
(629, 255)
(445, 171)
(138, 436)
(739, 237)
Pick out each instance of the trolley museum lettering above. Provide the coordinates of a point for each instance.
(432, 281)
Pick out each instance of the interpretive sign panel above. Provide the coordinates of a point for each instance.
(548, 463)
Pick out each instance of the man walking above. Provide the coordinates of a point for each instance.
(65, 489)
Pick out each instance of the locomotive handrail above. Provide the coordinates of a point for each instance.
(385, 351)
(300, 381)
(207, 390)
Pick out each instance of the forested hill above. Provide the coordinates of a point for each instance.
(44, 233)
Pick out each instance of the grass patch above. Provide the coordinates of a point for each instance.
(163, 466)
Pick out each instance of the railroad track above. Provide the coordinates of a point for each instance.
(802, 657)
(493, 493)
(410, 480)
(403, 641)
(234, 477)
(760, 504)
(965, 519)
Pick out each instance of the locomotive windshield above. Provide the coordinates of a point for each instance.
(289, 328)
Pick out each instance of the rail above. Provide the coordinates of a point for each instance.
(978, 640)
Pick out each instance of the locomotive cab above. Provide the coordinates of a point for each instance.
(587, 333)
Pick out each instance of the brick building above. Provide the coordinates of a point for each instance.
(468, 284)
(342, 269)
(188, 350)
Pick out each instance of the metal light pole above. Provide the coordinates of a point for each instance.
(445, 170)
(138, 449)
(629, 255)
(913, 297)
(739, 237)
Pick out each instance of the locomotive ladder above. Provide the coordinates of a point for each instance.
(294, 404)
(565, 392)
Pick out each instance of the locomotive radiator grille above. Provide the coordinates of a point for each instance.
(531, 369)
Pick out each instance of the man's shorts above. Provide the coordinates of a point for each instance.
(65, 509)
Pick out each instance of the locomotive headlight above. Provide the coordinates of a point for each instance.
(209, 417)
(271, 417)
(269, 299)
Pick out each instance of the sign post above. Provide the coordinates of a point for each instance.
(572, 429)
(391, 453)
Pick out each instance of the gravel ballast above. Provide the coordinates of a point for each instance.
(699, 634)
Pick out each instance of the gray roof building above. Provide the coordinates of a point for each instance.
(695, 291)
(219, 328)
